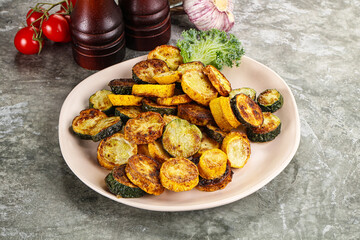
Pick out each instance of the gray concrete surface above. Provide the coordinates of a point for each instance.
(313, 45)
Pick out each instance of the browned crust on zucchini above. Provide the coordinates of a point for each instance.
(145, 128)
(216, 184)
(87, 119)
(146, 69)
(247, 111)
(143, 171)
(168, 53)
(195, 114)
(218, 80)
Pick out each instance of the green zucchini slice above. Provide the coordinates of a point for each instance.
(150, 106)
(215, 133)
(247, 91)
(105, 128)
(144, 71)
(270, 100)
(88, 118)
(119, 184)
(127, 112)
(246, 110)
(181, 138)
(122, 86)
(268, 131)
(101, 101)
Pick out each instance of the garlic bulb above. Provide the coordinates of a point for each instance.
(208, 14)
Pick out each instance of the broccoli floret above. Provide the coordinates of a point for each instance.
(214, 47)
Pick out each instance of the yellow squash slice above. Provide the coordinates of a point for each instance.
(169, 54)
(125, 100)
(153, 90)
(212, 164)
(218, 115)
(218, 80)
(237, 147)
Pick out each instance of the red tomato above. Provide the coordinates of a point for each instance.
(66, 16)
(24, 42)
(69, 6)
(31, 16)
(56, 28)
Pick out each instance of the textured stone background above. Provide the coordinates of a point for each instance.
(313, 45)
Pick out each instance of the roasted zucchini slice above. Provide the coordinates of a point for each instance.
(228, 112)
(157, 151)
(237, 147)
(195, 114)
(119, 184)
(144, 149)
(179, 174)
(88, 118)
(211, 185)
(105, 128)
(246, 90)
(127, 112)
(270, 100)
(246, 110)
(144, 129)
(217, 112)
(218, 80)
(122, 86)
(153, 90)
(212, 163)
(148, 105)
(198, 87)
(143, 171)
(175, 100)
(207, 143)
(170, 54)
(125, 100)
(115, 151)
(268, 131)
(168, 118)
(101, 101)
(167, 77)
(215, 133)
(191, 65)
(144, 71)
(181, 138)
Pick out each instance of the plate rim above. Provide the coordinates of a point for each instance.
(192, 207)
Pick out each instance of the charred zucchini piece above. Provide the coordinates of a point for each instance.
(268, 131)
(175, 100)
(211, 185)
(191, 65)
(212, 164)
(122, 86)
(217, 112)
(143, 171)
(157, 151)
(127, 112)
(101, 101)
(247, 91)
(144, 71)
(153, 90)
(144, 129)
(105, 128)
(198, 87)
(195, 114)
(168, 118)
(207, 143)
(228, 112)
(88, 118)
(218, 80)
(144, 149)
(215, 133)
(181, 138)
(167, 77)
(170, 54)
(125, 100)
(150, 106)
(270, 100)
(115, 150)
(237, 147)
(179, 174)
(246, 110)
(119, 184)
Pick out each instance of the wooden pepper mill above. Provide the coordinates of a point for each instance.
(147, 23)
(97, 30)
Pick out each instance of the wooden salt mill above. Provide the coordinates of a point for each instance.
(147, 23)
(97, 30)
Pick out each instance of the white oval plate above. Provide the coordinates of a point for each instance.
(266, 162)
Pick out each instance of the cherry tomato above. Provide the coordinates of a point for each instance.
(65, 14)
(69, 6)
(32, 16)
(56, 28)
(24, 42)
